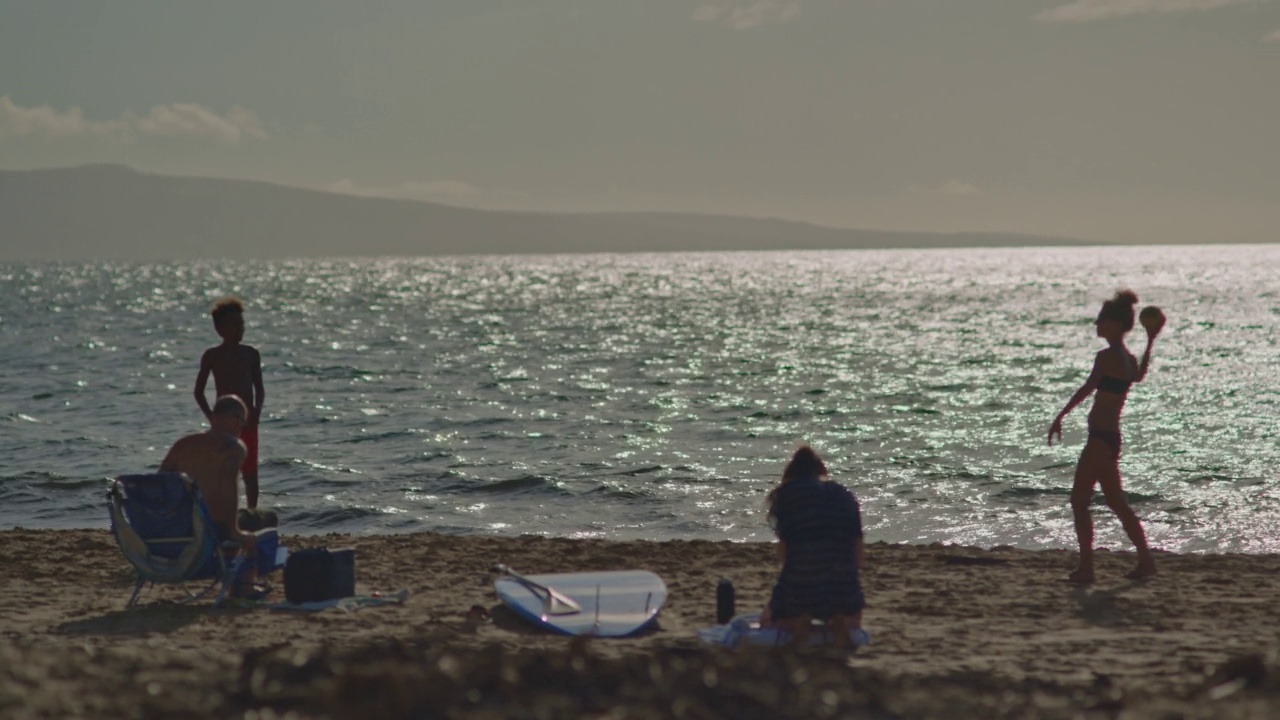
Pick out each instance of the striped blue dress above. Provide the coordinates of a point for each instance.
(819, 521)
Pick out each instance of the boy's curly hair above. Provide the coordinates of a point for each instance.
(224, 307)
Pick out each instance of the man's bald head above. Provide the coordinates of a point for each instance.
(231, 405)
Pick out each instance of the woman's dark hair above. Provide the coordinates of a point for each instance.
(803, 463)
(1120, 308)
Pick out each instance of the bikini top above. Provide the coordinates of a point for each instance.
(1114, 385)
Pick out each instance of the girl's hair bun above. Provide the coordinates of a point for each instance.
(1126, 297)
(1120, 308)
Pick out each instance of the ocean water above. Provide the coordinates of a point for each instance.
(658, 396)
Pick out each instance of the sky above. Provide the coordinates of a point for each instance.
(1115, 120)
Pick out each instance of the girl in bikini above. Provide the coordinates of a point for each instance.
(1115, 369)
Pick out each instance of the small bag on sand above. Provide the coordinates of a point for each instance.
(319, 574)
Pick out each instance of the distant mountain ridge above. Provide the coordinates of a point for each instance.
(112, 212)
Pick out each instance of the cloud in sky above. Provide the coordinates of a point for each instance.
(172, 120)
(1080, 11)
(744, 14)
(16, 120)
(449, 192)
(1273, 37)
(959, 187)
(950, 188)
(191, 120)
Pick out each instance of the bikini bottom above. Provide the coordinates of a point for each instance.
(1111, 438)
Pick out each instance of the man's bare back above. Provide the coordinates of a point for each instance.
(212, 459)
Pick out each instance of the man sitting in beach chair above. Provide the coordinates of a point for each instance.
(164, 531)
(212, 459)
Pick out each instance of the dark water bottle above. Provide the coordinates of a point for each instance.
(724, 602)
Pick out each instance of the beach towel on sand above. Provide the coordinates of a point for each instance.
(746, 629)
(347, 604)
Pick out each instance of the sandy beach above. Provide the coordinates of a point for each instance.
(957, 632)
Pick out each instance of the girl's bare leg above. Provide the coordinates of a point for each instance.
(1114, 494)
(1087, 472)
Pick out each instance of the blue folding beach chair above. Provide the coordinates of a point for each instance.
(166, 533)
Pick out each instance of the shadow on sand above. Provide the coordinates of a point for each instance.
(1104, 608)
(145, 620)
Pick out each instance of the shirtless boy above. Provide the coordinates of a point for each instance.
(237, 370)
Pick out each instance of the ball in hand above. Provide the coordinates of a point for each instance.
(1152, 319)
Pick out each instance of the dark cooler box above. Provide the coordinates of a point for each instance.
(318, 574)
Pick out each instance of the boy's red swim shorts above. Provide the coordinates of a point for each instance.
(249, 436)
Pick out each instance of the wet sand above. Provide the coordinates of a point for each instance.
(956, 631)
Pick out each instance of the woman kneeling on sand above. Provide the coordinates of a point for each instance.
(819, 530)
(1114, 370)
